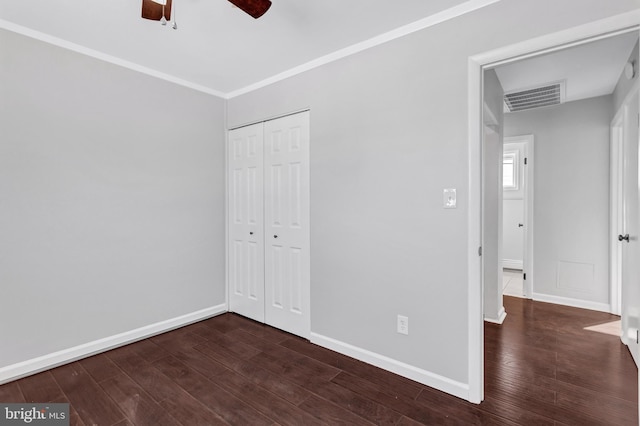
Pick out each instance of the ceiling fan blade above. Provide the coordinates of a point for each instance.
(255, 8)
(153, 10)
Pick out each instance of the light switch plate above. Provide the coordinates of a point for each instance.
(449, 198)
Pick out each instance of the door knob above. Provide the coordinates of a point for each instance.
(275, 236)
(520, 225)
(625, 237)
(251, 233)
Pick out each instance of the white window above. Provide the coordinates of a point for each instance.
(510, 170)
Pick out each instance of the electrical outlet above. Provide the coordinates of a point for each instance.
(403, 324)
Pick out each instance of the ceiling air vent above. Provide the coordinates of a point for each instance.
(549, 94)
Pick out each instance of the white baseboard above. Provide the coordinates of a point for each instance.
(568, 301)
(45, 362)
(628, 337)
(512, 264)
(461, 390)
(635, 359)
(501, 316)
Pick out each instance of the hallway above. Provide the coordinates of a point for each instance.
(542, 364)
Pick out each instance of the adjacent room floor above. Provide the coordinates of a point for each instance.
(512, 283)
(542, 368)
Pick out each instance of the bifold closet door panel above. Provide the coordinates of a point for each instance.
(287, 260)
(246, 221)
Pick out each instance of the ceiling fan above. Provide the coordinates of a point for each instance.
(160, 10)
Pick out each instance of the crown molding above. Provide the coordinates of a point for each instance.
(427, 22)
(28, 32)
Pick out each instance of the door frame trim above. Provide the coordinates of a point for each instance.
(589, 32)
(270, 118)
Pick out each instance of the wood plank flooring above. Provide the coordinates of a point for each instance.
(541, 368)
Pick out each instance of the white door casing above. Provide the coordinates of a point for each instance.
(492, 225)
(287, 259)
(269, 233)
(476, 65)
(246, 222)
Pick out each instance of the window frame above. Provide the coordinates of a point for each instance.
(514, 155)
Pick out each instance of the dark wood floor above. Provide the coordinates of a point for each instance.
(542, 368)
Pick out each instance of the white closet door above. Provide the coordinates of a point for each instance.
(287, 261)
(246, 222)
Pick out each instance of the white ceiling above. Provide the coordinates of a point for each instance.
(589, 70)
(218, 47)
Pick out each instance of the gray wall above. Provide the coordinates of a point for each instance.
(388, 133)
(112, 199)
(492, 168)
(571, 197)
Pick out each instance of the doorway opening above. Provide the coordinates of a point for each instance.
(571, 125)
(477, 211)
(518, 167)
